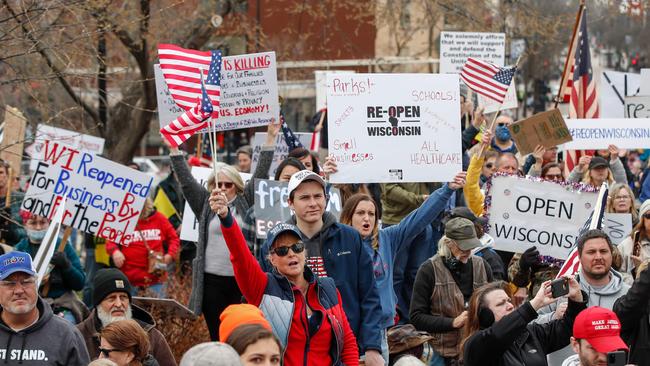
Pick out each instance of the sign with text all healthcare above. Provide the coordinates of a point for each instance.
(387, 128)
(71, 139)
(457, 47)
(281, 148)
(103, 198)
(272, 208)
(249, 93)
(544, 214)
(625, 133)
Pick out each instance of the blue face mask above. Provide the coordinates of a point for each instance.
(36, 236)
(502, 133)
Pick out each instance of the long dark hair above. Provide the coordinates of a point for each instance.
(301, 152)
(288, 162)
(348, 211)
(476, 302)
(247, 334)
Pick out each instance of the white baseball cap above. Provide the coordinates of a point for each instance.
(303, 176)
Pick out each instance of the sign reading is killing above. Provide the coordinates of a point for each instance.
(103, 198)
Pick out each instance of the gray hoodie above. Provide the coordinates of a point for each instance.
(52, 340)
(604, 297)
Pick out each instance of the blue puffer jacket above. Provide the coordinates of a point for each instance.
(349, 264)
(392, 238)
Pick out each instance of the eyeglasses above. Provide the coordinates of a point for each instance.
(282, 251)
(107, 352)
(553, 176)
(621, 197)
(26, 283)
(489, 165)
(226, 185)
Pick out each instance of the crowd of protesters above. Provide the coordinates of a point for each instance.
(408, 275)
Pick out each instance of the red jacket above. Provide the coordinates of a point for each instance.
(255, 284)
(156, 230)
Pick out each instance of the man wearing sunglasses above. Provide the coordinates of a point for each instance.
(30, 333)
(336, 251)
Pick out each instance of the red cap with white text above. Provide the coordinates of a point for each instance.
(601, 328)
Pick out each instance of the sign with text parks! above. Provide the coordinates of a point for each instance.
(394, 127)
(625, 133)
(103, 198)
(544, 214)
(457, 47)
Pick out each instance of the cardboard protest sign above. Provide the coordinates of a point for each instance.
(190, 225)
(456, 47)
(614, 86)
(249, 92)
(490, 105)
(168, 110)
(546, 128)
(545, 214)
(271, 205)
(394, 127)
(618, 226)
(103, 198)
(71, 139)
(320, 77)
(637, 107)
(589, 134)
(13, 137)
(281, 149)
(645, 82)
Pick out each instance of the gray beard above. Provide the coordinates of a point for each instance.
(107, 318)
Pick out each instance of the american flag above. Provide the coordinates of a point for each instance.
(487, 79)
(181, 70)
(292, 141)
(584, 96)
(197, 117)
(594, 221)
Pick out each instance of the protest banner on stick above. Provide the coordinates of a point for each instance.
(281, 149)
(47, 247)
(63, 137)
(546, 128)
(456, 47)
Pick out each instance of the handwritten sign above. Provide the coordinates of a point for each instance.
(589, 134)
(167, 108)
(271, 206)
(394, 127)
(281, 149)
(645, 82)
(637, 107)
(320, 76)
(618, 226)
(71, 139)
(103, 198)
(456, 47)
(490, 105)
(13, 137)
(614, 87)
(547, 129)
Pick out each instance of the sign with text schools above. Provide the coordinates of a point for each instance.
(387, 128)
(249, 93)
(625, 133)
(457, 47)
(544, 214)
(103, 198)
(281, 148)
(71, 139)
(271, 205)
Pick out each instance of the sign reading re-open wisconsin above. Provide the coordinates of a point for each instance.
(394, 127)
(104, 198)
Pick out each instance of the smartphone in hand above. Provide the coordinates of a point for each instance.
(559, 287)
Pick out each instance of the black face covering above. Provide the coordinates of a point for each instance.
(453, 264)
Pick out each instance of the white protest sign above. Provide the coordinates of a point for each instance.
(103, 198)
(456, 47)
(544, 214)
(618, 226)
(190, 225)
(320, 77)
(281, 149)
(71, 139)
(517, 48)
(394, 127)
(645, 82)
(614, 86)
(626, 133)
(637, 107)
(490, 105)
(249, 92)
(168, 110)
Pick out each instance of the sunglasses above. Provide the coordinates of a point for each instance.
(107, 352)
(553, 176)
(283, 251)
(226, 185)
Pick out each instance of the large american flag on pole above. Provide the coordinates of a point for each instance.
(196, 119)
(487, 79)
(584, 96)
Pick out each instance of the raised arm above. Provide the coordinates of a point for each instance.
(264, 165)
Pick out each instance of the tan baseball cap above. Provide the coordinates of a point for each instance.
(462, 231)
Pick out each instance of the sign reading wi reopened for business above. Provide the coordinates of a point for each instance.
(394, 127)
(625, 133)
(456, 47)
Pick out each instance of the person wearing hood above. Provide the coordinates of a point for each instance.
(30, 333)
(337, 251)
(112, 302)
(305, 311)
(360, 212)
(597, 278)
(126, 343)
(153, 235)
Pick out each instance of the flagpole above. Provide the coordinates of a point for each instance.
(581, 10)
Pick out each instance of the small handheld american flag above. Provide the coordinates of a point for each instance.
(487, 79)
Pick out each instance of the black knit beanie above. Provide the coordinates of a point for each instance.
(107, 281)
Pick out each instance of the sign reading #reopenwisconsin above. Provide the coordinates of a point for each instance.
(394, 127)
(103, 198)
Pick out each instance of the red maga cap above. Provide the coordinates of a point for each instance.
(601, 328)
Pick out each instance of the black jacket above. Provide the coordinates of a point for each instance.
(515, 341)
(633, 312)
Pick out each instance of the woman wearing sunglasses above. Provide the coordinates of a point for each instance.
(125, 343)
(305, 312)
(635, 249)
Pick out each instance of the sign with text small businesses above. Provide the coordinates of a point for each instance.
(394, 127)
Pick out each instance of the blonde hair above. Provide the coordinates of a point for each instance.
(586, 178)
(229, 172)
(443, 246)
(147, 209)
(612, 193)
